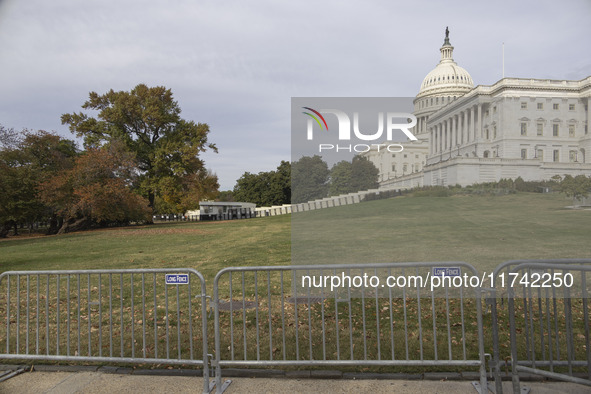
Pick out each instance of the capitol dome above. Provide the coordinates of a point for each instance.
(447, 78)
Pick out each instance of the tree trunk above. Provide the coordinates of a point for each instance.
(5, 229)
(72, 225)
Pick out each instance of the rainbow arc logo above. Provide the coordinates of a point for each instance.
(315, 118)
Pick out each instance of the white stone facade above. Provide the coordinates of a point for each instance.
(528, 128)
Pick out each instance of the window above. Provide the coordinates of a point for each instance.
(540, 128)
(556, 155)
(540, 154)
(540, 105)
(494, 110)
(393, 167)
(555, 130)
(416, 156)
(571, 130)
(523, 105)
(393, 154)
(495, 132)
(486, 113)
(404, 168)
(524, 153)
(571, 107)
(555, 106)
(523, 128)
(572, 156)
(405, 155)
(485, 154)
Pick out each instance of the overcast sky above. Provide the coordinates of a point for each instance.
(236, 64)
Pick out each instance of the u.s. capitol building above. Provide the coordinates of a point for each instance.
(528, 128)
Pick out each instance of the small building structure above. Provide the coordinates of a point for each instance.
(224, 210)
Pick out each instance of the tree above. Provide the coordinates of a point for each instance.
(265, 188)
(147, 121)
(95, 191)
(309, 179)
(340, 178)
(576, 187)
(346, 177)
(26, 159)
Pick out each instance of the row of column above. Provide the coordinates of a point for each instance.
(456, 130)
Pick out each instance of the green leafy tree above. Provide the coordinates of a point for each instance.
(340, 178)
(26, 160)
(147, 121)
(576, 187)
(309, 179)
(265, 188)
(348, 177)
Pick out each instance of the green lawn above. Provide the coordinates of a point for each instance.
(481, 230)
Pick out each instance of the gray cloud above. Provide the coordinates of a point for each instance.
(235, 65)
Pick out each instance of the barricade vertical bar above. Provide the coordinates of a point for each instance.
(89, 318)
(111, 315)
(100, 305)
(495, 339)
(531, 321)
(28, 312)
(391, 318)
(37, 319)
(420, 315)
(555, 307)
(68, 318)
(243, 316)
(57, 318)
(541, 318)
(144, 315)
(18, 312)
(190, 317)
(269, 314)
(550, 350)
(78, 348)
(133, 318)
(294, 286)
(121, 306)
(282, 316)
(178, 322)
(377, 318)
(204, 350)
(47, 317)
(165, 318)
(405, 321)
(513, 339)
(231, 298)
(363, 324)
(256, 303)
(8, 314)
(478, 300)
(323, 322)
(525, 322)
(433, 316)
(569, 329)
(336, 321)
(350, 319)
(155, 320)
(351, 355)
(309, 319)
(27, 324)
(448, 324)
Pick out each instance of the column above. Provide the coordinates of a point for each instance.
(479, 129)
(465, 128)
(472, 131)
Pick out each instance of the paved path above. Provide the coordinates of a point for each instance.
(97, 382)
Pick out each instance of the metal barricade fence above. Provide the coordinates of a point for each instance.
(548, 316)
(127, 316)
(265, 317)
